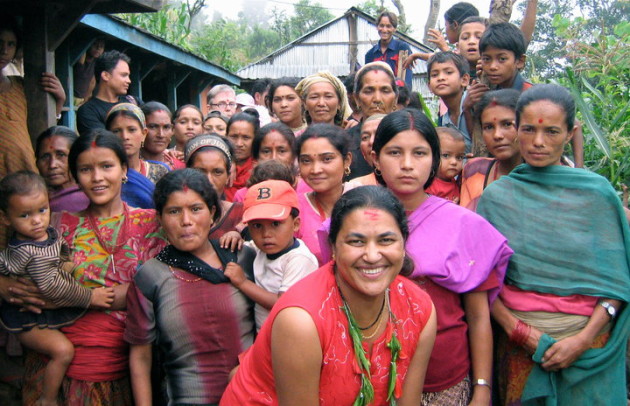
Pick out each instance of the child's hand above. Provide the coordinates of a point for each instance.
(410, 61)
(475, 92)
(102, 298)
(235, 273)
(435, 37)
(231, 240)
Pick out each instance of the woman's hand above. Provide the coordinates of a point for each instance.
(532, 340)
(231, 240)
(22, 292)
(435, 37)
(235, 274)
(564, 353)
(174, 155)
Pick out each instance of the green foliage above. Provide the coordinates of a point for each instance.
(371, 8)
(599, 78)
(171, 23)
(222, 43)
(306, 18)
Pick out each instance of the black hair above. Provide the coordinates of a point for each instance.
(9, 23)
(403, 120)
(268, 170)
(182, 179)
(459, 12)
(503, 36)
(474, 19)
(56, 130)
(252, 112)
(260, 86)
(216, 114)
(228, 144)
(151, 107)
(404, 95)
(335, 135)
(247, 117)
(98, 137)
(275, 84)
(556, 94)
(278, 127)
(393, 18)
(107, 62)
(182, 108)
(454, 133)
(358, 80)
(459, 61)
(414, 101)
(19, 183)
(376, 197)
(504, 98)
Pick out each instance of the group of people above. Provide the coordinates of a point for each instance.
(311, 244)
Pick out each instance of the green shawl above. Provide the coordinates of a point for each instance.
(570, 236)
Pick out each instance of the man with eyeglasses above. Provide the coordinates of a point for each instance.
(223, 99)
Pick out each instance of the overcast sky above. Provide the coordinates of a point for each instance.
(417, 10)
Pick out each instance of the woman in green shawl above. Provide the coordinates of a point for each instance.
(569, 278)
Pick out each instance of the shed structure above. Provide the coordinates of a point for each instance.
(338, 46)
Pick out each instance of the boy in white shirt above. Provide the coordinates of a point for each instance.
(272, 215)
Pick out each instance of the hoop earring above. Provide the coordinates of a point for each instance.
(347, 171)
(125, 179)
(377, 172)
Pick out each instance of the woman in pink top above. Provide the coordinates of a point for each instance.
(323, 158)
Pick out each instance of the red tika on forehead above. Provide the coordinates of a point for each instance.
(185, 188)
(492, 103)
(93, 144)
(540, 121)
(371, 214)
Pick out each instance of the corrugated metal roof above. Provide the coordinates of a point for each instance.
(326, 48)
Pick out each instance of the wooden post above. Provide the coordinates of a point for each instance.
(352, 28)
(37, 59)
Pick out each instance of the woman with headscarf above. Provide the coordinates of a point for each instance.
(325, 99)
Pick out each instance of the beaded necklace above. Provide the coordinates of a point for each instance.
(366, 392)
(122, 235)
(181, 278)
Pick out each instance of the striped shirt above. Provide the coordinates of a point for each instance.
(47, 264)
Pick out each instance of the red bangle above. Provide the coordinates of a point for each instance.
(520, 334)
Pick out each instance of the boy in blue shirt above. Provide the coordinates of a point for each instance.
(448, 78)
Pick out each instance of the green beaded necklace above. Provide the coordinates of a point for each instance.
(366, 393)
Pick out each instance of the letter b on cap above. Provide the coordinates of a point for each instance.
(263, 193)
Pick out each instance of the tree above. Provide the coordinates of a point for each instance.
(434, 10)
(500, 10)
(307, 17)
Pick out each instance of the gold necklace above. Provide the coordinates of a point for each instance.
(181, 278)
(380, 320)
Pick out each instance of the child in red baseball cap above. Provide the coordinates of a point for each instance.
(272, 215)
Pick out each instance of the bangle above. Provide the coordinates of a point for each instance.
(482, 382)
(520, 334)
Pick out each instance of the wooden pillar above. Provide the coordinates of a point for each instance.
(175, 79)
(37, 59)
(353, 36)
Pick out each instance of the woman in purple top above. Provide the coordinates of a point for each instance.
(182, 302)
(51, 152)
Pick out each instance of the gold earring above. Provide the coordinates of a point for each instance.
(347, 171)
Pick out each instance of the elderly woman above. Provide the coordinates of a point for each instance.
(168, 300)
(570, 274)
(375, 92)
(312, 349)
(51, 151)
(325, 99)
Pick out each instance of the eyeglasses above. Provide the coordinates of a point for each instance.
(223, 105)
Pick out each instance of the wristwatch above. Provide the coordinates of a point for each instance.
(610, 309)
